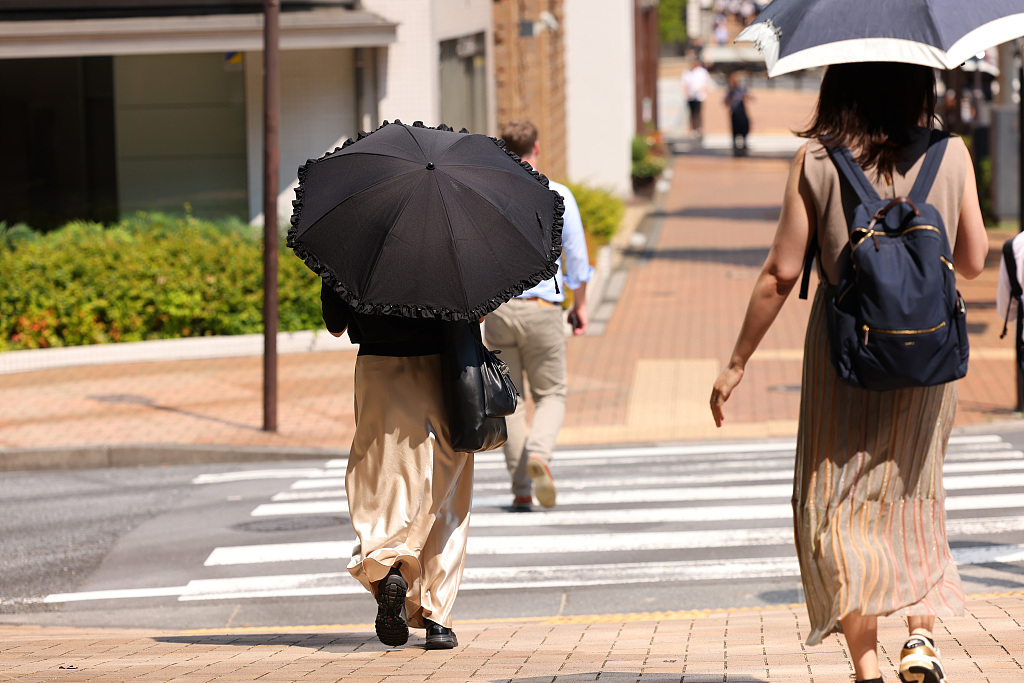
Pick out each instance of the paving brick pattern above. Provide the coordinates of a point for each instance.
(743, 646)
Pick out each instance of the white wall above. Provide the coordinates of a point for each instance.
(409, 71)
(600, 92)
(318, 113)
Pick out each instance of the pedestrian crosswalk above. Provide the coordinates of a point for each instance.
(704, 512)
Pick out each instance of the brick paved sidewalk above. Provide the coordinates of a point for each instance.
(672, 318)
(746, 646)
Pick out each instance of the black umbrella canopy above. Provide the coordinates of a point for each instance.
(426, 223)
(801, 34)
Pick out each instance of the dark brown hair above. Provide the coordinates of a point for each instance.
(873, 108)
(519, 136)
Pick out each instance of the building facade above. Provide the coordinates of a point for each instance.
(117, 106)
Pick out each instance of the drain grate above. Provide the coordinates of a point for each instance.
(291, 523)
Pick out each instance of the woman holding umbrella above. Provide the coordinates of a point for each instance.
(413, 228)
(868, 498)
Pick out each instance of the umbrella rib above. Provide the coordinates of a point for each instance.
(387, 235)
(448, 221)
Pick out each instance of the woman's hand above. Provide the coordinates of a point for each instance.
(720, 393)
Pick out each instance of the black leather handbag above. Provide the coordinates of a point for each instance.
(478, 392)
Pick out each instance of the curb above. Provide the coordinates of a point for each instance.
(150, 455)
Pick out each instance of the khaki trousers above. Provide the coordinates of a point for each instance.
(531, 338)
(409, 493)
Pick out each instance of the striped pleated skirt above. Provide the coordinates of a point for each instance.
(868, 501)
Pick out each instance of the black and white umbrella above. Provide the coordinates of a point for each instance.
(802, 34)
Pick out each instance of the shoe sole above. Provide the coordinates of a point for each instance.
(392, 628)
(920, 670)
(543, 484)
(441, 642)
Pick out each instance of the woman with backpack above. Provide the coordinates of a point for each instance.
(868, 500)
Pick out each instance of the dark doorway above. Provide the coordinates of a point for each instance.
(57, 150)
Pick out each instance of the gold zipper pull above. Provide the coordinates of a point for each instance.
(866, 330)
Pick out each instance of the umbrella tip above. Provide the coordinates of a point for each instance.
(430, 165)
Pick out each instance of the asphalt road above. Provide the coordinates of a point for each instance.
(670, 527)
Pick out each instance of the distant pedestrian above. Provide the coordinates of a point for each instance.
(868, 499)
(529, 331)
(721, 31)
(409, 493)
(695, 83)
(736, 99)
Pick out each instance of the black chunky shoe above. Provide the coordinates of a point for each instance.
(439, 637)
(392, 626)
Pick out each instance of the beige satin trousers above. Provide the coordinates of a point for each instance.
(409, 493)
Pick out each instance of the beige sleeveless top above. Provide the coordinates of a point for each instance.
(834, 202)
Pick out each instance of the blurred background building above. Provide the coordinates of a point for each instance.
(117, 106)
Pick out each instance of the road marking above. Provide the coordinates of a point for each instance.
(251, 475)
(539, 544)
(501, 578)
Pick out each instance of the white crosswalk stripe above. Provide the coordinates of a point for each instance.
(726, 504)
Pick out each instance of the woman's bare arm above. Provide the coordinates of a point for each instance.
(778, 276)
(971, 246)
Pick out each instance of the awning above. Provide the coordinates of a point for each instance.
(314, 29)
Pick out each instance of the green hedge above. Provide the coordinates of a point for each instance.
(600, 210)
(155, 276)
(149, 277)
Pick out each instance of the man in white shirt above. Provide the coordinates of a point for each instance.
(530, 333)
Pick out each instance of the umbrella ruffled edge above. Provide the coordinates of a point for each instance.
(408, 310)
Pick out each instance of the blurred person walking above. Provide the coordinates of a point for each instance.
(529, 331)
(695, 82)
(736, 99)
(868, 500)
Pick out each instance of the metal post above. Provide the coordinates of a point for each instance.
(271, 106)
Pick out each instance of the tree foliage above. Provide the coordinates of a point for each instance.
(672, 21)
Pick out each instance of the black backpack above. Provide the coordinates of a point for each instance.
(896, 319)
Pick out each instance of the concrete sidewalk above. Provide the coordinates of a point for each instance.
(741, 646)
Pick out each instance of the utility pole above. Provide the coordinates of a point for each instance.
(271, 120)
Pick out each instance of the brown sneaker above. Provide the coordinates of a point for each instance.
(919, 661)
(543, 484)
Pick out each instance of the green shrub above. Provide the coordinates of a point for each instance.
(639, 149)
(649, 167)
(10, 236)
(151, 276)
(600, 210)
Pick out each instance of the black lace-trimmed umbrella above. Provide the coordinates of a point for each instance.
(426, 223)
(801, 34)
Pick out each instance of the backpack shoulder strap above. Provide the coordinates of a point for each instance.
(812, 251)
(854, 174)
(930, 166)
(1016, 292)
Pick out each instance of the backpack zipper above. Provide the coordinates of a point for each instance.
(867, 330)
(874, 234)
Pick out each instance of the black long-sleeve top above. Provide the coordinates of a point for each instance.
(380, 335)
